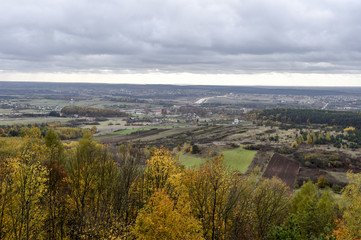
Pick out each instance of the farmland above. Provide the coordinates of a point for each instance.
(237, 159)
(283, 168)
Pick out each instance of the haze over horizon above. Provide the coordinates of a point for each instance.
(202, 42)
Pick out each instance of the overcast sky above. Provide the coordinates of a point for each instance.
(262, 42)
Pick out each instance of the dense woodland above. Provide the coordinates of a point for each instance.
(85, 190)
(307, 116)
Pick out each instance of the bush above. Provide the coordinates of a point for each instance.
(234, 145)
(322, 182)
(54, 114)
(285, 150)
(194, 149)
(251, 147)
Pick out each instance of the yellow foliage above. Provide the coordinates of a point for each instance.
(352, 198)
(342, 232)
(68, 132)
(161, 166)
(162, 218)
(10, 146)
(349, 129)
(21, 212)
(70, 145)
(93, 129)
(208, 189)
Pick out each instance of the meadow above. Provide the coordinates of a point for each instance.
(237, 159)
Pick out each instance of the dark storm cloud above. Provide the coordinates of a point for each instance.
(180, 35)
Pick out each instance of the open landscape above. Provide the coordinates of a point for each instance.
(188, 120)
(271, 147)
(180, 120)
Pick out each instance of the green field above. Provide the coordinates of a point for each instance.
(129, 131)
(190, 160)
(237, 159)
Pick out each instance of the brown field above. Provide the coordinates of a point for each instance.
(132, 136)
(283, 168)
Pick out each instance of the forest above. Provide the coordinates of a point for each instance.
(307, 116)
(86, 190)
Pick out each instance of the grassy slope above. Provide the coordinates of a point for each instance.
(238, 159)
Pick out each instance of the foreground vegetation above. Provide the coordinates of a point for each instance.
(51, 190)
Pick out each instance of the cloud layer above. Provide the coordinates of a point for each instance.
(197, 36)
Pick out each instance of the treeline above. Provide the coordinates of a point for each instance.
(307, 116)
(91, 112)
(18, 130)
(89, 191)
(64, 132)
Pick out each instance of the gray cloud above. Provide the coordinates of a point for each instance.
(181, 35)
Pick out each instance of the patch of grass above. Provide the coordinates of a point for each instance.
(190, 160)
(237, 159)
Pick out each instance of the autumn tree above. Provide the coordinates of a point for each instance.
(352, 198)
(269, 206)
(161, 172)
(7, 174)
(58, 188)
(94, 130)
(128, 191)
(164, 218)
(92, 176)
(25, 211)
(264, 204)
(212, 191)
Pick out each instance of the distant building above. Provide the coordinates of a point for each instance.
(164, 111)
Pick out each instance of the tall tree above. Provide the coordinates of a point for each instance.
(314, 214)
(352, 199)
(160, 172)
(92, 177)
(213, 192)
(58, 188)
(164, 218)
(26, 212)
(128, 192)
